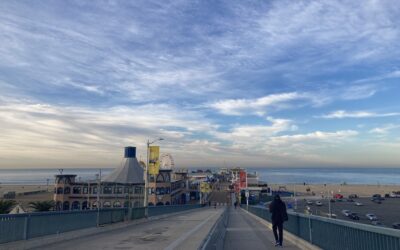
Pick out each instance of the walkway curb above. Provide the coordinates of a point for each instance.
(289, 236)
(76, 234)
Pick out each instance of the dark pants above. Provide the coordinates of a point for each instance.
(278, 227)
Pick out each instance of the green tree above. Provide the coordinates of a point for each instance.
(6, 206)
(42, 206)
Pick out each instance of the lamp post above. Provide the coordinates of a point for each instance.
(146, 176)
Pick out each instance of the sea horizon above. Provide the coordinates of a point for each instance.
(288, 175)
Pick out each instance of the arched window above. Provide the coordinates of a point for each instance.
(107, 190)
(76, 190)
(60, 190)
(85, 205)
(160, 204)
(67, 190)
(58, 206)
(167, 203)
(94, 204)
(160, 178)
(157, 191)
(151, 204)
(138, 190)
(117, 204)
(107, 204)
(162, 191)
(76, 205)
(117, 190)
(66, 205)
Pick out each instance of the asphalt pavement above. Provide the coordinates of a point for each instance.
(185, 231)
(387, 212)
(246, 232)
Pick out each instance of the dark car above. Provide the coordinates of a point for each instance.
(376, 201)
(332, 200)
(353, 196)
(396, 225)
(354, 216)
(350, 200)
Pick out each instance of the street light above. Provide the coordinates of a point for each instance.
(146, 170)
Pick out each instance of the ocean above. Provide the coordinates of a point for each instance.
(270, 175)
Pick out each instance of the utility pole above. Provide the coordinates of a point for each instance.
(98, 197)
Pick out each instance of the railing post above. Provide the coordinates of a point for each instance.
(26, 226)
(310, 228)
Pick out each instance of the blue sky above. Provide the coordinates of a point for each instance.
(226, 83)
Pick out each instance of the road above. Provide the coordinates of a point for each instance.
(246, 232)
(185, 231)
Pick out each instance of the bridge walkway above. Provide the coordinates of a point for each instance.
(246, 232)
(186, 231)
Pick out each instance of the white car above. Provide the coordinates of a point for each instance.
(309, 202)
(371, 217)
(346, 212)
(331, 216)
(358, 204)
(318, 203)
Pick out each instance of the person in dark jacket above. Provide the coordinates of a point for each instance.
(278, 212)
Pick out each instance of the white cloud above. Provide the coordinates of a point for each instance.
(384, 129)
(341, 114)
(258, 106)
(317, 136)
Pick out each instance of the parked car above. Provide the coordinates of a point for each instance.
(358, 204)
(395, 194)
(318, 203)
(377, 197)
(346, 212)
(377, 223)
(354, 216)
(377, 201)
(353, 196)
(310, 202)
(331, 215)
(350, 200)
(371, 217)
(332, 200)
(338, 196)
(396, 225)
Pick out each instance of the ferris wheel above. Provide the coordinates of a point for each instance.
(166, 161)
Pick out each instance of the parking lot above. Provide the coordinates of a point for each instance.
(387, 212)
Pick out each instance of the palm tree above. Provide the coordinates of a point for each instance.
(42, 206)
(6, 206)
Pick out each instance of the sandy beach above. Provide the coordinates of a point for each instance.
(23, 197)
(345, 190)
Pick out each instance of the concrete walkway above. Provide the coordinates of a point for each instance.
(246, 232)
(185, 231)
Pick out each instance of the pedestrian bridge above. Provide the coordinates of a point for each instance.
(185, 227)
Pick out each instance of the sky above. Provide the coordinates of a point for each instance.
(225, 83)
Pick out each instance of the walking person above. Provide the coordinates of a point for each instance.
(279, 215)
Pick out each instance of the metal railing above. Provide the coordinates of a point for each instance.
(216, 237)
(159, 210)
(30, 225)
(333, 234)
